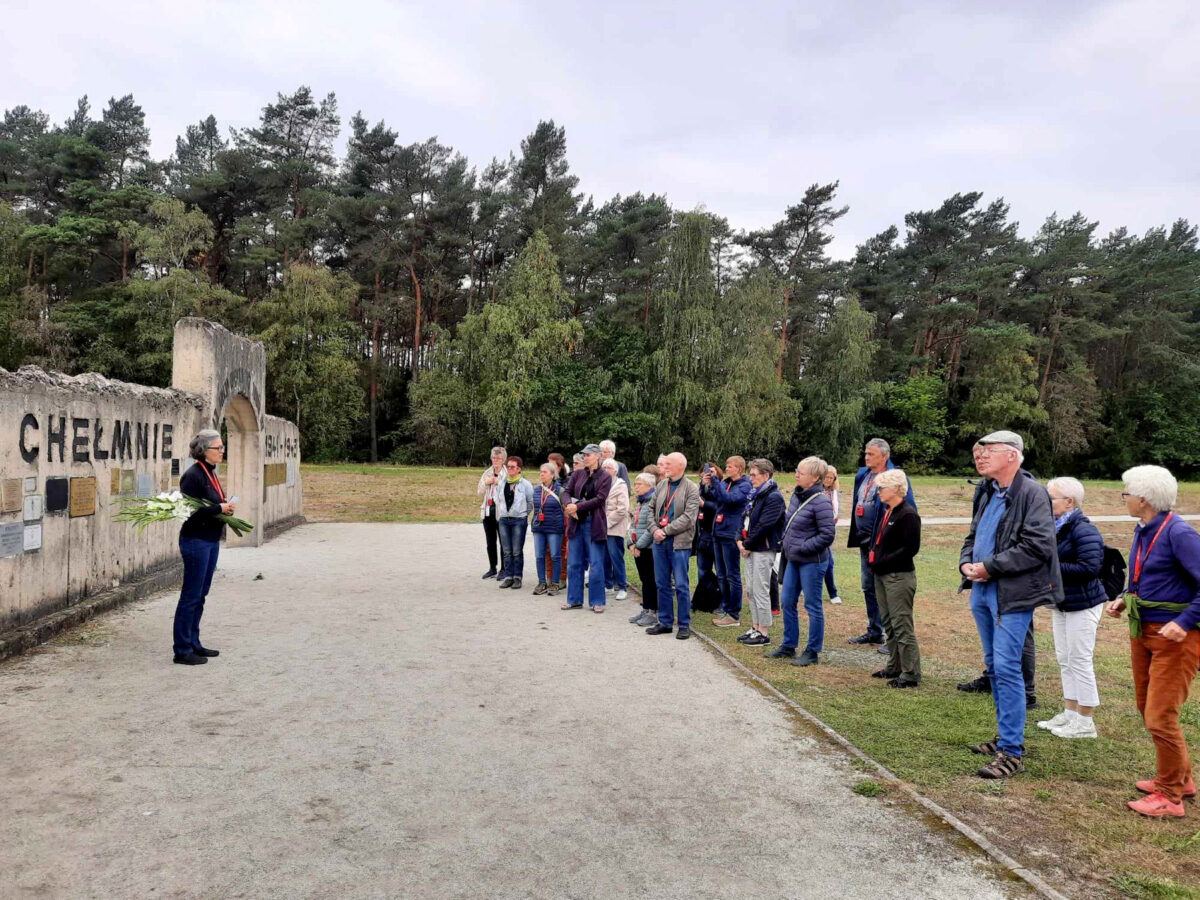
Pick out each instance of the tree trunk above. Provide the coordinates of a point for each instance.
(1046, 370)
(412, 273)
(374, 390)
(29, 273)
(783, 335)
(124, 259)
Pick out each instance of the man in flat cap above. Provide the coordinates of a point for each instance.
(585, 496)
(1010, 561)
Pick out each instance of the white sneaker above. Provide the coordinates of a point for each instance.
(836, 601)
(1078, 727)
(1057, 722)
(621, 595)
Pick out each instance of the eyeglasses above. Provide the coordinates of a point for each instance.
(513, 466)
(1125, 495)
(220, 447)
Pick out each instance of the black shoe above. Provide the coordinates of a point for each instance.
(758, 639)
(980, 685)
(1031, 701)
(506, 583)
(866, 638)
(885, 673)
(204, 651)
(490, 573)
(516, 583)
(782, 653)
(683, 633)
(807, 658)
(660, 628)
(190, 659)
(897, 683)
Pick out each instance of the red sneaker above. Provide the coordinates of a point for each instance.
(1147, 787)
(1156, 805)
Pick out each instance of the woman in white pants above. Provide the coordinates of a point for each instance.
(1081, 556)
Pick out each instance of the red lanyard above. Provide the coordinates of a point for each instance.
(1140, 558)
(882, 525)
(212, 479)
(670, 497)
(542, 505)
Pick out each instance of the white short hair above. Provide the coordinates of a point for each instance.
(609, 465)
(548, 467)
(881, 445)
(1154, 484)
(1068, 487)
(645, 478)
(609, 446)
(892, 478)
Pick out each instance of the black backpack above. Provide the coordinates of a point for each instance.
(1112, 573)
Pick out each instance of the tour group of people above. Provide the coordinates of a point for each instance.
(1028, 545)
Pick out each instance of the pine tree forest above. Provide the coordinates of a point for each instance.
(419, 307)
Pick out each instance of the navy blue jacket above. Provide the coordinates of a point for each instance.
(766, 514)
(1080, 557)
(203, 523)
(552, 508)
(860, 540)
(808, 534)
(730, 499)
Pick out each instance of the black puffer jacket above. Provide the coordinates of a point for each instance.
(1025, 564)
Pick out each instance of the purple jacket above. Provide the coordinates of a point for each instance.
(601, 482)
(1171, 571)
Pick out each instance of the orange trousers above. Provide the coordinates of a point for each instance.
(1162, 675)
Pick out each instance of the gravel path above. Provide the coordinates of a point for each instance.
(381, 723)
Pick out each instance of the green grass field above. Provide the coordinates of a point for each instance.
(1065, 816)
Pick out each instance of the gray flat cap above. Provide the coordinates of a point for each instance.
(1004, 437)
(590, 448)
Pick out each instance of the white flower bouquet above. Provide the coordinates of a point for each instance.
(166, 507)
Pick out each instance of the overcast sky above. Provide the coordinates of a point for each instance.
(1054, 105)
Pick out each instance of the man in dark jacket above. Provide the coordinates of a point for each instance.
(730, 488)
(866, 510)
(1010, 561)
(585, 496)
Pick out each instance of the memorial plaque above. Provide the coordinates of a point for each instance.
(32, 537)
(128, 481)
(57, 494)
(114, 482)
(10, 494)
(291, 473)
(12, 539)
(274, 473)
(145, 486)
(33, 508)
(31, 484)
(175, 470)
(83, 497)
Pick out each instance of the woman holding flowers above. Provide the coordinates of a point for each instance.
(199, 541)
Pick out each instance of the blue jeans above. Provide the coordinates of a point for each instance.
(874, 622)
(806, 576)
(199, 563)
(830, 587)
(671, 562)
(553, 541)
(729, 570)
(512, 545)
(585, 553)
(1003, 639)
(616, 564)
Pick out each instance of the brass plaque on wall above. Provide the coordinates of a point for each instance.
(128, 481)
(83, 497)
(11, 495)
(114, 482)
(274, 473)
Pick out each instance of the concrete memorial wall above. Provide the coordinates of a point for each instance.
(72, 448)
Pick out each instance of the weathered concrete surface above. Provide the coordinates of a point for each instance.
(381, 723)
